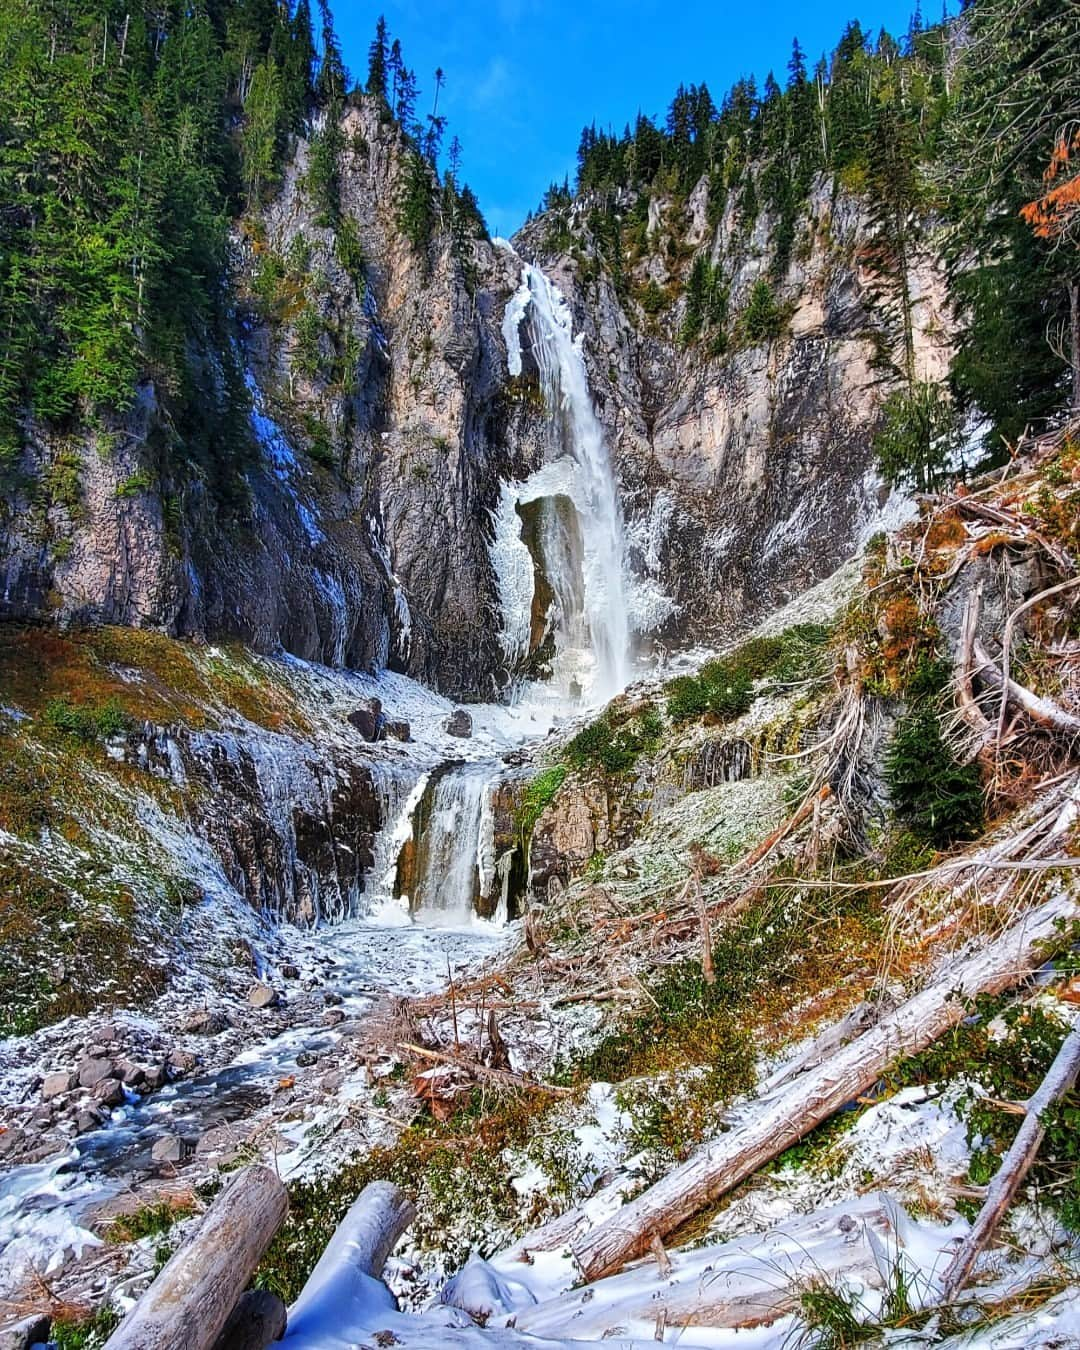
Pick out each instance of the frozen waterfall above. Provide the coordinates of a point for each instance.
(560, 564)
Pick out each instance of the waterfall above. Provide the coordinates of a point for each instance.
(453, 862)
(575, 545)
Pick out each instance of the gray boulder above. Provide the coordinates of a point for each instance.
(459, 723)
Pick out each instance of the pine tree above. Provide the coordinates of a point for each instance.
(378, 57)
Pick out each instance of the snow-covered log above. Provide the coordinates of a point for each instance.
(741, 1283)
(347, 1275)
(814, 1097)
(189, 1303)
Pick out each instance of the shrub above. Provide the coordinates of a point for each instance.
(938, 798)
(85, 722)
(538, 797)
(615, 747)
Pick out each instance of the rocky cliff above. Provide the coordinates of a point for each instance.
(382, 420)
(746, 463)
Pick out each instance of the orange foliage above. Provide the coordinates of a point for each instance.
(1052, 215)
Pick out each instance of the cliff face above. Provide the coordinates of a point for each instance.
(379, 431)
(746, 473)
(382, 421)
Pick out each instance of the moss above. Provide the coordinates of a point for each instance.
(150, 1220)
(73, 1332)
(538, 796)
(617, 739)
(86, 722)
(723, 690)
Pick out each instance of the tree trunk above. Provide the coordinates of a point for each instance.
(725, 1162)
(746, 1282)
(189, 1303)
(1014, 1166)
(1074, 342)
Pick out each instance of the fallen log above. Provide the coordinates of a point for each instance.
(1014, 1166)
(188, 1305)
(503, 1077)
(1006, 644)
(1044, 711)
(348, 1274)
(745, 1282)
(814, 1097)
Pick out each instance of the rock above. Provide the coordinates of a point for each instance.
(369, 720)
(89, 1118)
(217, 1139)
(331, 999)
(11, 1141)
(27, 1331)
(131, 1075)
(182, 1061)
(459, 723)
(306, 1058)
(289, 971)
(109, 1092)
(171, 1148)
(333, 1017)
(93, 1069)
(155, 1077)
(399, 730)
(204, 1022)
(56, 1084)
(108, 1033)
(262, 996)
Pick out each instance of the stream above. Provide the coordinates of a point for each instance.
(558, 554)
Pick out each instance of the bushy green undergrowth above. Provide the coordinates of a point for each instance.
(937, 797)
(614, 743)
(1002, 1051)
(723, 690)
(86, 721)
(85, 1333)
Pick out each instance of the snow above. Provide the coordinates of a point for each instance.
(39, 1229)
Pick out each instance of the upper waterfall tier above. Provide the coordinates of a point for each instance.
(561, 565)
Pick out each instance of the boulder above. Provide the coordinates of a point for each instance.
(399, 730)
(171, 1148)
(89, 1118)
(109, 1092)
(182, 1061)
(369, 721)
(459, 723)
(289, 971)
(262, 996)
(306, 1058)
(205, 1022)
(56, 1084)
(217, 1139)
(155, 1077)
(93, 1069)
(131, 1075)
(333, 1017)
(331, 999)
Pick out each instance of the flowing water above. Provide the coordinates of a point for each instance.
(558, 553)
(575, 546)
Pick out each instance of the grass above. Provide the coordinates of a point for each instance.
(723, 690)
(152, 1220)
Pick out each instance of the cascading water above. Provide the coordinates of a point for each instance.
(576, 533)
(448, 863)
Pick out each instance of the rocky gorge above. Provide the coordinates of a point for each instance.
(489, 771)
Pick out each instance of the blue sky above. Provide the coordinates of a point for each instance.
(524, 76)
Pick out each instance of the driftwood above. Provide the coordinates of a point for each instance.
(820, 1093)
(257, 1321)
(745, 1282)
(503, 1077)
(348, 1272)
(188, 1305)
(1014, 1166)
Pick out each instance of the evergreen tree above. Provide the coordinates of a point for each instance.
(378, 60)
